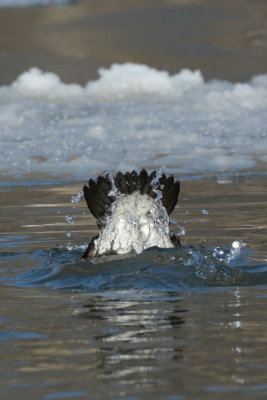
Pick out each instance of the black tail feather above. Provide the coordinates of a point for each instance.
(170, 193)
(97, 196)
(142, 181)
(121, 183)
(97, 192)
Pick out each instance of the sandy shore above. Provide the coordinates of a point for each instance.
(226, 40)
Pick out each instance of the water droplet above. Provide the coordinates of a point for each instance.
(113, 191)
(204, 212)
(69, 219)
(238, 244)
(181, 231)
(155, 183)
(235, 251)
(68, 233)
(77, 197)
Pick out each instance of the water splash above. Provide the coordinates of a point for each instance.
(69, 247)
(73, 247)
(176, 228)
(155, 183)
(68, 233)
(153, 270)
(205, 212)
(136, 223)
(69, 219)
(77, 197)
(235, 251)
(114, 192)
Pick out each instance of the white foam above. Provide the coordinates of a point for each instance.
(132, 116)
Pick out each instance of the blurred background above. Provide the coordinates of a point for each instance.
(224, 39)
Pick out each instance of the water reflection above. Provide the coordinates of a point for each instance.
(137, 335)
(139, 343)
(144, 340)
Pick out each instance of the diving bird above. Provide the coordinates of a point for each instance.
(132, 212)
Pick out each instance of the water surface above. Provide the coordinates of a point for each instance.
(140, 326)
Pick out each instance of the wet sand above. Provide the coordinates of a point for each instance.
(226, 39)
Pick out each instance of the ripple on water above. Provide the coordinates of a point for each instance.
(154, 270)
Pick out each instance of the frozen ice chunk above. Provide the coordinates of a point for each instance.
(132, 116)
(37, 83)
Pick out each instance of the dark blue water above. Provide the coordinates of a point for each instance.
(153, 270)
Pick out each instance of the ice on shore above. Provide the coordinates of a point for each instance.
(132, 116)
(31, 3)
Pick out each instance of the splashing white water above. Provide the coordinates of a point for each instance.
(235, 251)
(156, 184)
(136, 223)
(113, 191)
(231, 254)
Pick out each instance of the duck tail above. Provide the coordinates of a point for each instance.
(99, 194)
